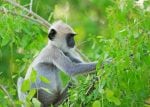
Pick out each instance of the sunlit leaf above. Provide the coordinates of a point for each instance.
(96, 104)
(31, 94)
(109, 93)
(44, 79)
(116, 100)
(47, 90)
(33, 76)
(25, 85)
(36, 103)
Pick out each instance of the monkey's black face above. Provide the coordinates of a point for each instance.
(70, 40)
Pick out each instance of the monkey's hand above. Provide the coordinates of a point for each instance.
(106, 62)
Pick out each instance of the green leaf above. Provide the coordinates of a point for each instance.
(25, 85)
(31, 94)
(96, 104)
(36, 103)
(45, 89)
(5, 40)
(44, 79)
(109, 93)
(111, 98)
(33, 76)
(116, 100)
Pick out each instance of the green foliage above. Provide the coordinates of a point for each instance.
(111, 98)
(31, 94)
(43, 79)
(36, 103)
(25, 85)
(106, 29)
(33, 76)
(125, 82)
(96, 104)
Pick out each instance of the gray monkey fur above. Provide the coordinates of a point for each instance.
(55, 57)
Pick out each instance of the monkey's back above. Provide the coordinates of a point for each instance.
(44, 68)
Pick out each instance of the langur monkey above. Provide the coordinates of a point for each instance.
(58, 55)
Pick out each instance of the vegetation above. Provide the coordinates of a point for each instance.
(115, 29)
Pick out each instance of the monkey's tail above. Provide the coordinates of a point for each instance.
(21, 95)
(28, 72)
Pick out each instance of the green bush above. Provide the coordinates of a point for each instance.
(109, 29)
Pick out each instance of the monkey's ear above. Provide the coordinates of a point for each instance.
(52, 34)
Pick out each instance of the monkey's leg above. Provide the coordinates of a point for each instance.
(63, 95)
(21, 95)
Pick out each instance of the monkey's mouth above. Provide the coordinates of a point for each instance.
(71, 46)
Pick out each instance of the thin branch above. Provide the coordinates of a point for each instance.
(5, 11)
(6, 92)
(38, 19)
(31, 2)
(29, 12)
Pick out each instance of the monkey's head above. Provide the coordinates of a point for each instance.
(62, 36)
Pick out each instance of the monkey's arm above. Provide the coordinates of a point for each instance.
(64, 63)
(76, 57)
(73, 59)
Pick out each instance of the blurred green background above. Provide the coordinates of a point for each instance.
(118, 29)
